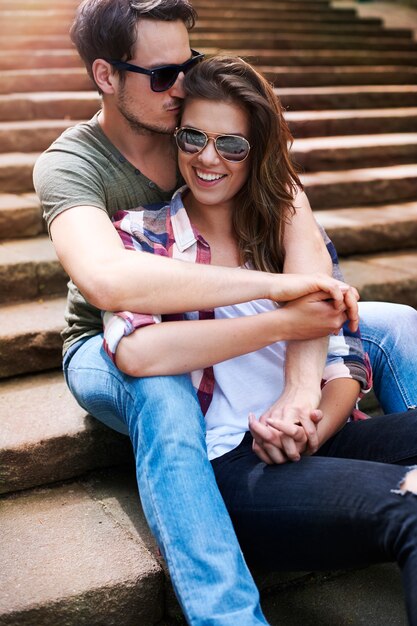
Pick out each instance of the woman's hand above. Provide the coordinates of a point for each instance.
(268, 444)
(298, 406)
(289, 287)
(311, 316)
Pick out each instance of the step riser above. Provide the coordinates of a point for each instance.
(359, 100)
(324, 58)
(335, 77)
(16, 178)
(32, 352)
(77, 80)
(31, 280)
(340, 195)
(29, 139)
(292, 41)
(20, 81)
(20, 221)
(11, 61)
(26, 107)
(296, 41)
(309, 5)
(317, 28)
(324, 15)
(205, 26)
(328, 160)
(353, 126)
(374, 239)
(62, 458)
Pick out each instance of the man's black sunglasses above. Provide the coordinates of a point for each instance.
(163, 77)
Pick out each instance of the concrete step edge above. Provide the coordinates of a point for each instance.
(104, 572)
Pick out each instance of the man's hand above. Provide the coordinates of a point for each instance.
(344, 298)
(296, 405)
(280, 440)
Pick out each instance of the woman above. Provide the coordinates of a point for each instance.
(338, 506)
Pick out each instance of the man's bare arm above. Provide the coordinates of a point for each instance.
(115, 279)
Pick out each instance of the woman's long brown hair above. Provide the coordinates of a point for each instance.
(265, 203)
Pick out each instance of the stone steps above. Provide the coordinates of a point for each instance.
(50, 79)
(368, 229)
(16, 171)
(20, 216)
(54, 23)
(30, 340)
(356, 151)
(358, 154)
(352, 132)
(365, 29)
(280, 41)
(348, 122)
(46, 437)
(37, 135)
(30, 336)
(82, 105)
(340, 75)
(292, 41)
(347, 97)
(84, 557)
(29, 269)
(12, 60)
(379, 185)
(310, 14)
(321, 57)
(68, 105)
(31, 135)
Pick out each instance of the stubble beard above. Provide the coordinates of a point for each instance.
(138, 126)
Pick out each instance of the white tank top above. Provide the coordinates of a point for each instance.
(250, 383)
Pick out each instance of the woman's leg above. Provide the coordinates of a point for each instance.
(389, 334)
(179, 494)
(323, 513)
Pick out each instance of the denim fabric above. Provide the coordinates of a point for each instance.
(329, 511)
(389, 335)
(177, 487)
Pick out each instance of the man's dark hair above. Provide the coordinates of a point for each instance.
(108, 28)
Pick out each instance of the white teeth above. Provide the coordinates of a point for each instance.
(207, 176)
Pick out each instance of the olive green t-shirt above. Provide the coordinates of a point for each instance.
(83, 168)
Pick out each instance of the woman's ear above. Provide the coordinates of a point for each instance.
(104, 77)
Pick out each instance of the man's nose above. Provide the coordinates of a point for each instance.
(177, 89)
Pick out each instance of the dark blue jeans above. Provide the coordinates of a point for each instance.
(339, 508)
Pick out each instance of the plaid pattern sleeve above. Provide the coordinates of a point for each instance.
(164, 230)
(346, 357)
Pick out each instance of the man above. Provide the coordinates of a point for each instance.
(137, 54)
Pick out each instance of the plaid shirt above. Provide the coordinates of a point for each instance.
(165, 229)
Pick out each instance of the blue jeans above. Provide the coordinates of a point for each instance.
(339, 508)
(180, 498)
(176, 483)
(389, 335)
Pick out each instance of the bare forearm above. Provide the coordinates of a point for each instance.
(179, 347)
(115, 279)
(138, 281)
(339, 397)
(305, 251)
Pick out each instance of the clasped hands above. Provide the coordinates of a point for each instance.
(287, 430)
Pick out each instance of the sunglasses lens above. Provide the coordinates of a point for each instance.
(232, 148)
(164, 78)
(190, 141)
